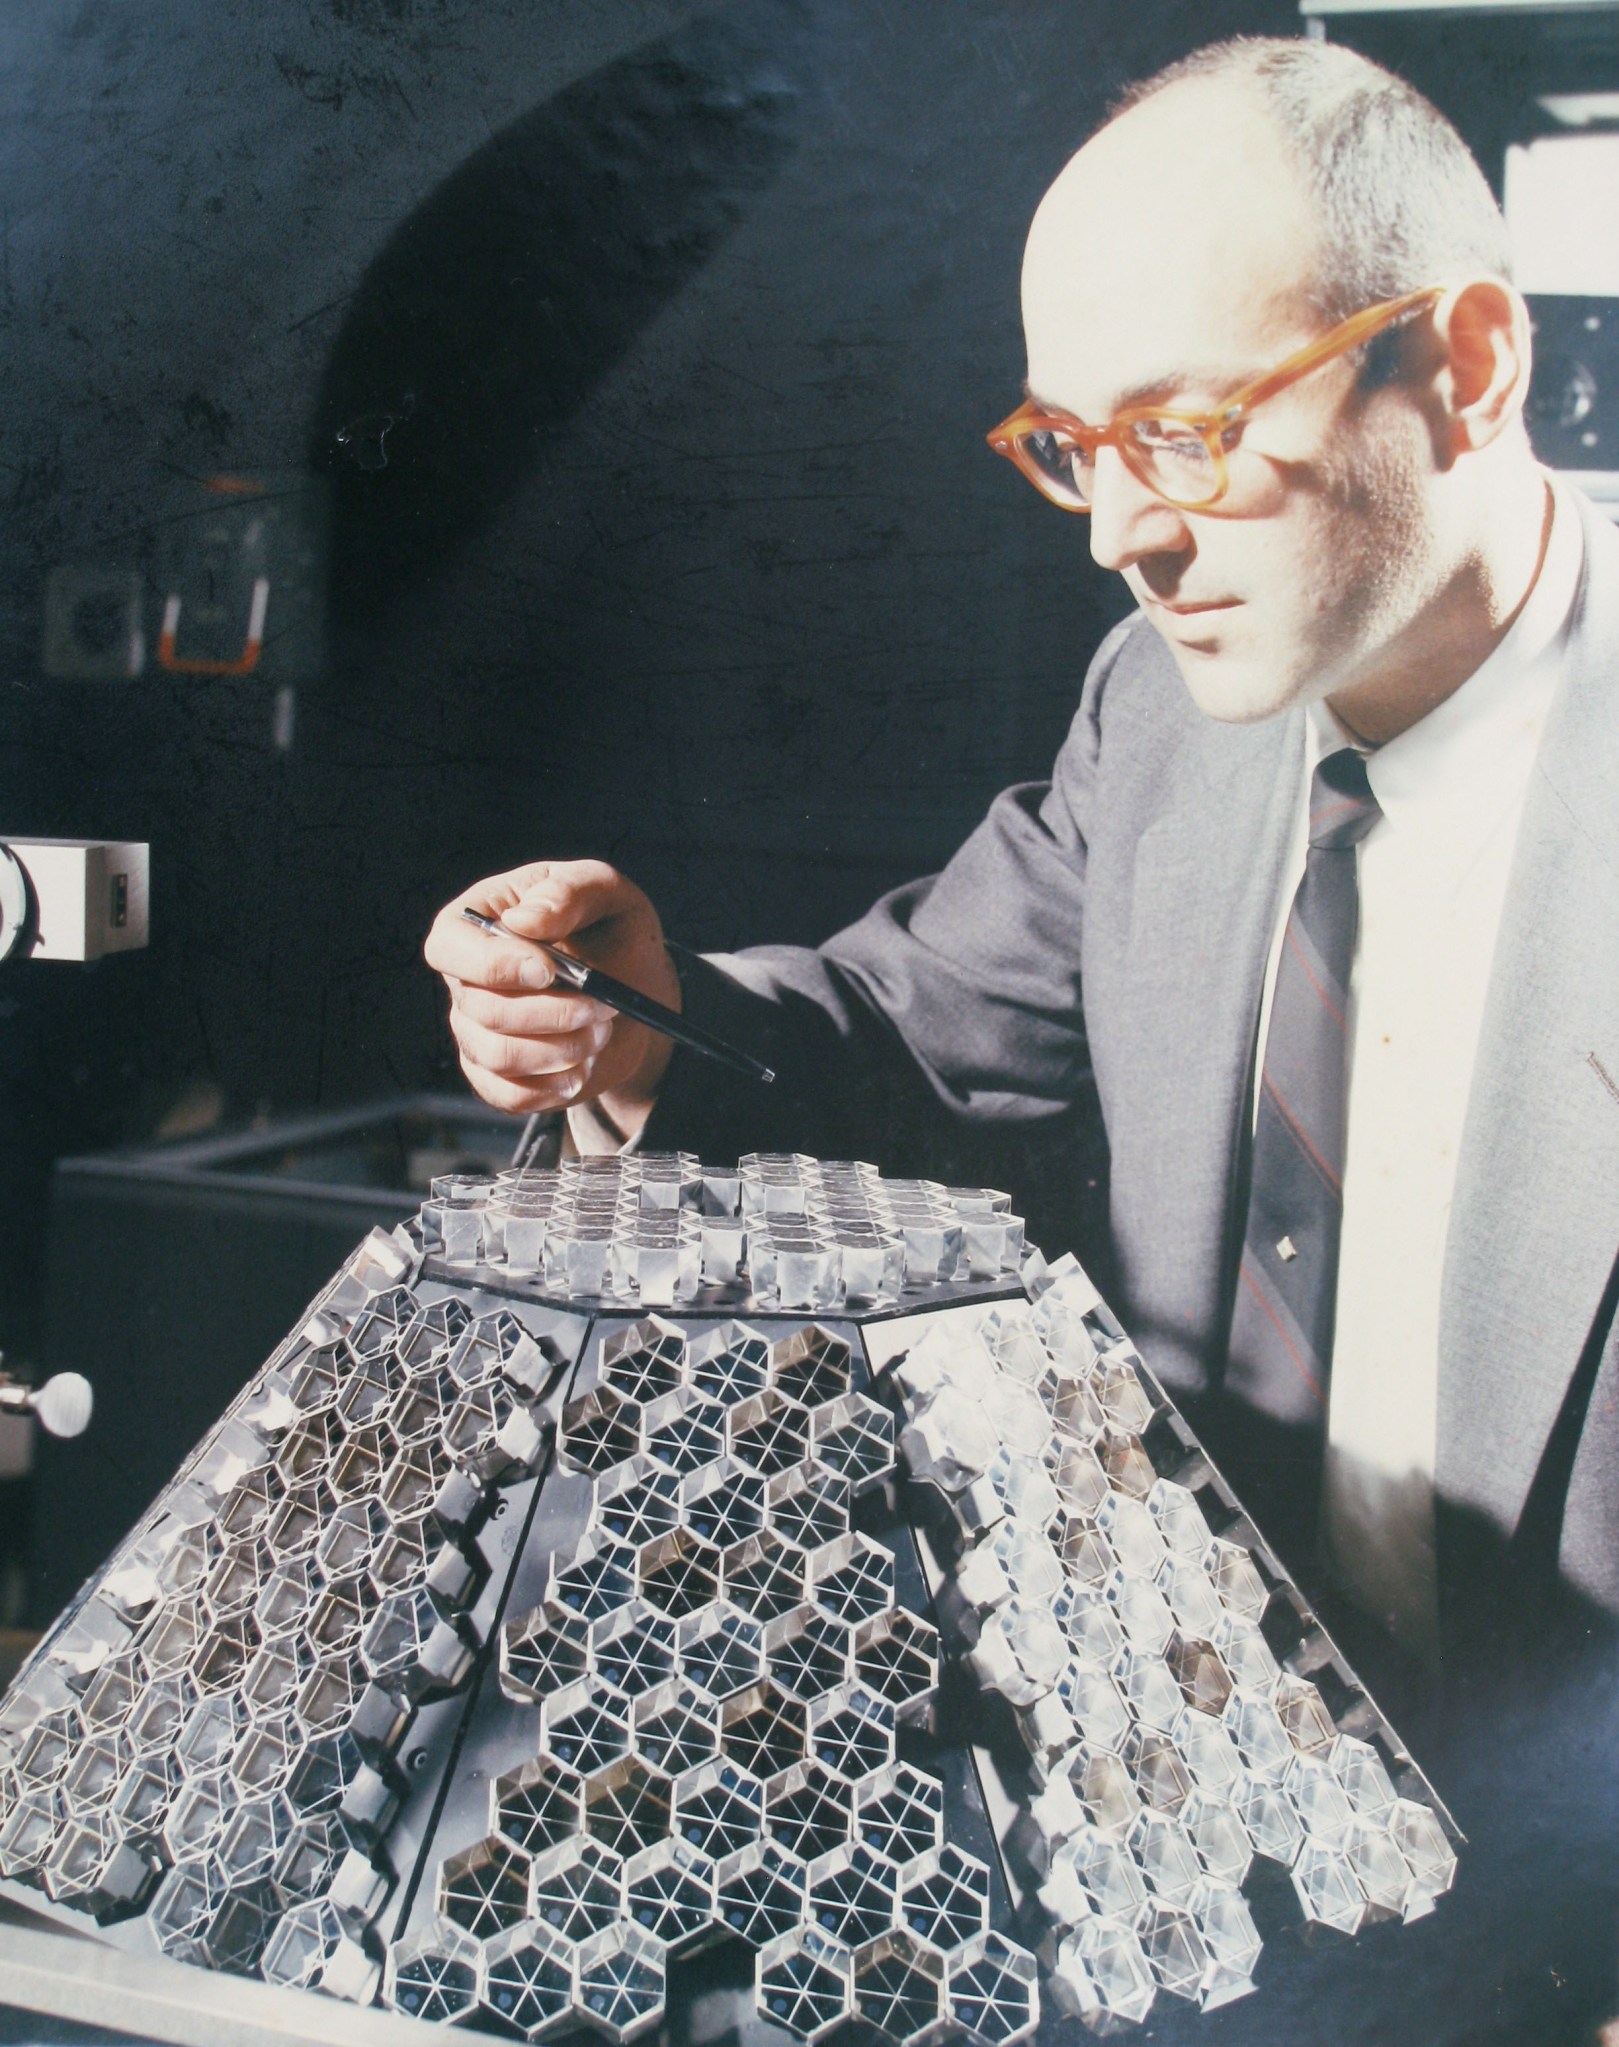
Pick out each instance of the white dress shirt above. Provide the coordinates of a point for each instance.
(1434, 873)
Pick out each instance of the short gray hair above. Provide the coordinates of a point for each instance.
(1402, 201)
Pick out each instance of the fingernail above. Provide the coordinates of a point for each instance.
(600, 1035)
(535, 974)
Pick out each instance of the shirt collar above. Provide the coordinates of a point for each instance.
(1476, 749)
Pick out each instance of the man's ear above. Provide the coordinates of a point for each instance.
(1482, 377)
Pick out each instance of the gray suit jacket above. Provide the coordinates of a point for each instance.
(1110, 929)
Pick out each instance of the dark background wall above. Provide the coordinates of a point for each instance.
(638, 356)
(608, 381)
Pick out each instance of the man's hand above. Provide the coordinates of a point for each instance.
(525, 1046)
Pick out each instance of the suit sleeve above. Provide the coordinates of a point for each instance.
(958, 996)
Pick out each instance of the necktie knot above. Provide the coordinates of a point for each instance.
(1342, 806)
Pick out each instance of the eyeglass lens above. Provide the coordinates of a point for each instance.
(1166, 455)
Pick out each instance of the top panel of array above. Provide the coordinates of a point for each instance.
(777, 1231)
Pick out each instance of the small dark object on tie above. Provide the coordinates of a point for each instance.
(1287, 1288)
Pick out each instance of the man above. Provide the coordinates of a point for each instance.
(1319, 900)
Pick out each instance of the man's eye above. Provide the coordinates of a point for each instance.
(1169, 437)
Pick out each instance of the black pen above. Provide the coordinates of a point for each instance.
(600, 987)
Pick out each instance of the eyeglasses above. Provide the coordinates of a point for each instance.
(1181, 456)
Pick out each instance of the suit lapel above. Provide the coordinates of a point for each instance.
(1203, 904)
(1535, 1223)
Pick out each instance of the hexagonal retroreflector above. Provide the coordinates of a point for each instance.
(1165, 1855)
(434, 1975)
(768, 1432)
(1231, 1940)
(811, 1366)
(254, 1835)
(1328, 1889)
(808, 1811)
(1021, 1651)
(184, 1907)
(764, 1577)
(897, 1656)
(851, 1733)
(1268, 1817)
(1236, 1579)
(1421, 1840)
(992, 1991)
(808, 1507)
(760, 1894)
(313, 1948)
(1360, 1770)
(804, 1982)
(899, 1989)
(94, 1867)
(852, 1896)
(1318, 1798)
(1101, 1975)
(944, 1898)
(1303, 1712)
(1259, 1734)
(484, 1889)
(621, 1983)
(529, 1980)
(854, 1437)
(899, 1813)
(721, 1650)
(628, 1806)
(536, 1806)
(1218, 1837)
(669, 1894)
(852, 1578)
(1380, 1869)
(808, 1653)
(638, 1501)
(585, 1727)
(597, 1578)
(633, 1648)
(724, 1502)
(729, 1363)
(684, 1429)
(676, 1726)
(718, 1808)
(678, 1573)
(1104, 1870)
(644, 1360)
(490, 1432)
(599, 1429)
(310, 1856)
(762, 1730)
(541, 1652)
(577, 1889)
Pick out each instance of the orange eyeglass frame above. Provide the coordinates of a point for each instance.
(1011, 437)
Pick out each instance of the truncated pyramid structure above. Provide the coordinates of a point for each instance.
(634, 1579)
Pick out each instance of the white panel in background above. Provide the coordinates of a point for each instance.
(1562, 197)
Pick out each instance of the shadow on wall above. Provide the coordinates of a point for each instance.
(493, 312)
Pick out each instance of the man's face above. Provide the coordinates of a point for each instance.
(1170, 263)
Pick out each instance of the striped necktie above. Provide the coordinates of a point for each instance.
(1282, 1322)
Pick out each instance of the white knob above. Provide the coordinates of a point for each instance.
(63, 1404)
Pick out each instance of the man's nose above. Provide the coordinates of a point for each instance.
(1128, 520)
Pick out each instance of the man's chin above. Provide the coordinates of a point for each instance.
(1230, 687)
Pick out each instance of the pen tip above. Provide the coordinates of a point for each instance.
(765, 1073)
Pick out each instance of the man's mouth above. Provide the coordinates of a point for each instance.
(1185, 609)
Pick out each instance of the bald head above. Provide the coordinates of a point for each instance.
(1398, 199)
(1184, 218)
